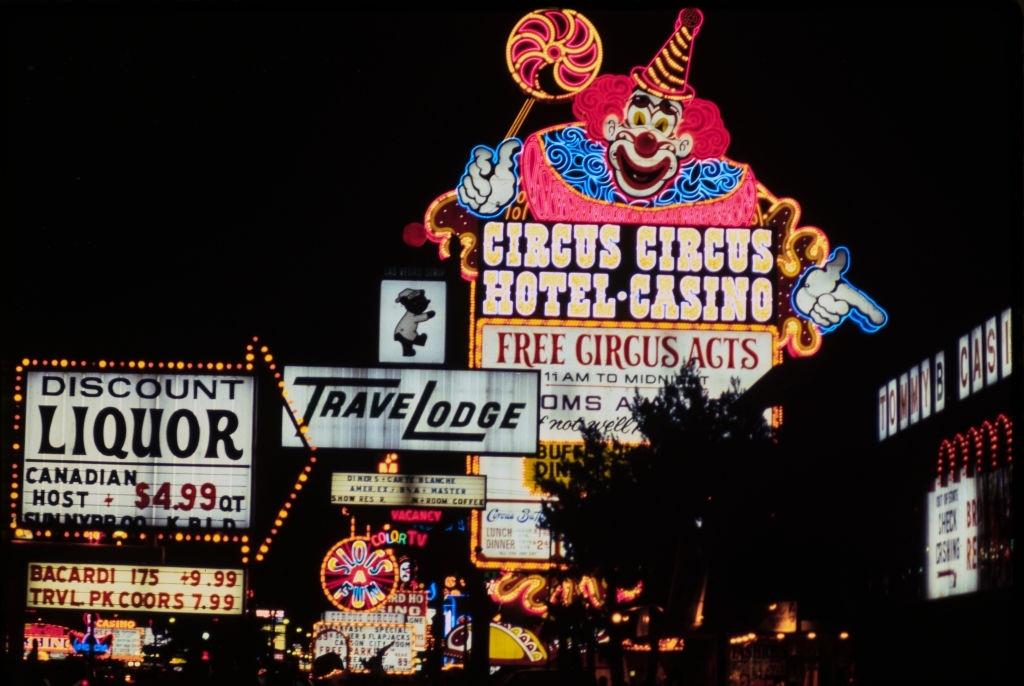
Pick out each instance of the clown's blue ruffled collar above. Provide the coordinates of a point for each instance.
(583, 164)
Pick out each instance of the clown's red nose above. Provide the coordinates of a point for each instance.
(646, 144)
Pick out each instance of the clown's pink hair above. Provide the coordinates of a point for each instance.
(608, 96)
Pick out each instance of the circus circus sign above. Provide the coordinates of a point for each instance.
(357, 576)
(614, 248)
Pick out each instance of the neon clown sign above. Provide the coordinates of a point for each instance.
(612, 249)
(634, 212)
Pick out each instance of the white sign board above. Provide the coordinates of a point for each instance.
(408, 608)
(883, 412)
(1006, 345)
(127, 644)
(893, 407)
(590, 375)
(904, 400)
(952, 539)
(506, 478)
(983, 357)
(977, 362)
(412, 321)
(339, 617)
(926, 389)
(131, 450)
(356, 643)
(964, 367)
(915, 395)
(991, 351)
(411, 490)
(511, 530)
(417, 626)
(470, 411)
(130, 588)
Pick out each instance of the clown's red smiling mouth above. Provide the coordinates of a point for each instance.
(641, 178)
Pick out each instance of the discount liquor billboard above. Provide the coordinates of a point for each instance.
(137, 450)
(130, 588)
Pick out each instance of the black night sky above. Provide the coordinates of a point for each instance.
(179, 178)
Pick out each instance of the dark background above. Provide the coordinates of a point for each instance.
(180, 177)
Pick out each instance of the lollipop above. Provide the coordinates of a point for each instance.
(356, 577)
(562, 43)
(552, 55)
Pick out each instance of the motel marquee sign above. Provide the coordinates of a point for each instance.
(414, 409)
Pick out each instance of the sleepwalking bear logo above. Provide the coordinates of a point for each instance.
(412, 321)
(407, 333)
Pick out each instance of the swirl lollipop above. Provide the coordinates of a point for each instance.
(552, 55)
(553, 49)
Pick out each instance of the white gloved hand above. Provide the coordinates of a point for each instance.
(487, 186)
(827, 299)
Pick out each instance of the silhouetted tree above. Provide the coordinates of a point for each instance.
(666, 511)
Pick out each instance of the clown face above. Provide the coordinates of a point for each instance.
(643, 149)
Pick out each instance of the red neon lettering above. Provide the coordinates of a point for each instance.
(502, 345)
